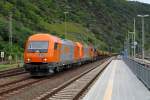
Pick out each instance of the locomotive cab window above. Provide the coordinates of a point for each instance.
(38, 46)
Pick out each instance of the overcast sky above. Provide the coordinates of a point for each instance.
(145, 1)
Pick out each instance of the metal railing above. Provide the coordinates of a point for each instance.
(140, 70)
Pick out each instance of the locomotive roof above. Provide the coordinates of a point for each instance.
(79, 44)
(67, 42)
(45, 36)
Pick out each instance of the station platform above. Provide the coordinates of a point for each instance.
(117, 82)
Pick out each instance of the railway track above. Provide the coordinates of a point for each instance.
(13, 87)
(15, 81)
(12, 72)
(73, 89)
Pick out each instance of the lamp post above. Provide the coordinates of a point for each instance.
(66, 22)
(143, 34)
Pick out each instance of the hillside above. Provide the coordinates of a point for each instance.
(103, 23)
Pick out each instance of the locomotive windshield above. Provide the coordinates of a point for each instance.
(38, 46)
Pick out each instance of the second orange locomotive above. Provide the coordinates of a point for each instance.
(45, 53)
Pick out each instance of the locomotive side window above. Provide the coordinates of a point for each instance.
(56, 46)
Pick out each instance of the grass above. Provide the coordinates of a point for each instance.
(60, 27)
(71, 28)
(7, 66)
(75, 32)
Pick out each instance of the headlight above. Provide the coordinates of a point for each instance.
(45, 59)
(28, 60)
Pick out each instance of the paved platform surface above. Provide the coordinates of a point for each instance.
(118, 82)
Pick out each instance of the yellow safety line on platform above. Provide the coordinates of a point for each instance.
(109, 88)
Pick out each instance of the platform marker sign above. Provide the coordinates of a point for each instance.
(2, 54)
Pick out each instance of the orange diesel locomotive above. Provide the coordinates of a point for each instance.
(46, 54)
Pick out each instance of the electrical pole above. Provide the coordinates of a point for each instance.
(10, 37)
(143, 34)
(134, 39)
(66, 23)
(128, 39)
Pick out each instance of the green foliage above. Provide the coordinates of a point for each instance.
(3, 29)
(100, 22)
(7, 66)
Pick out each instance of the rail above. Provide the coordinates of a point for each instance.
(12, 72)
(73, 89)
